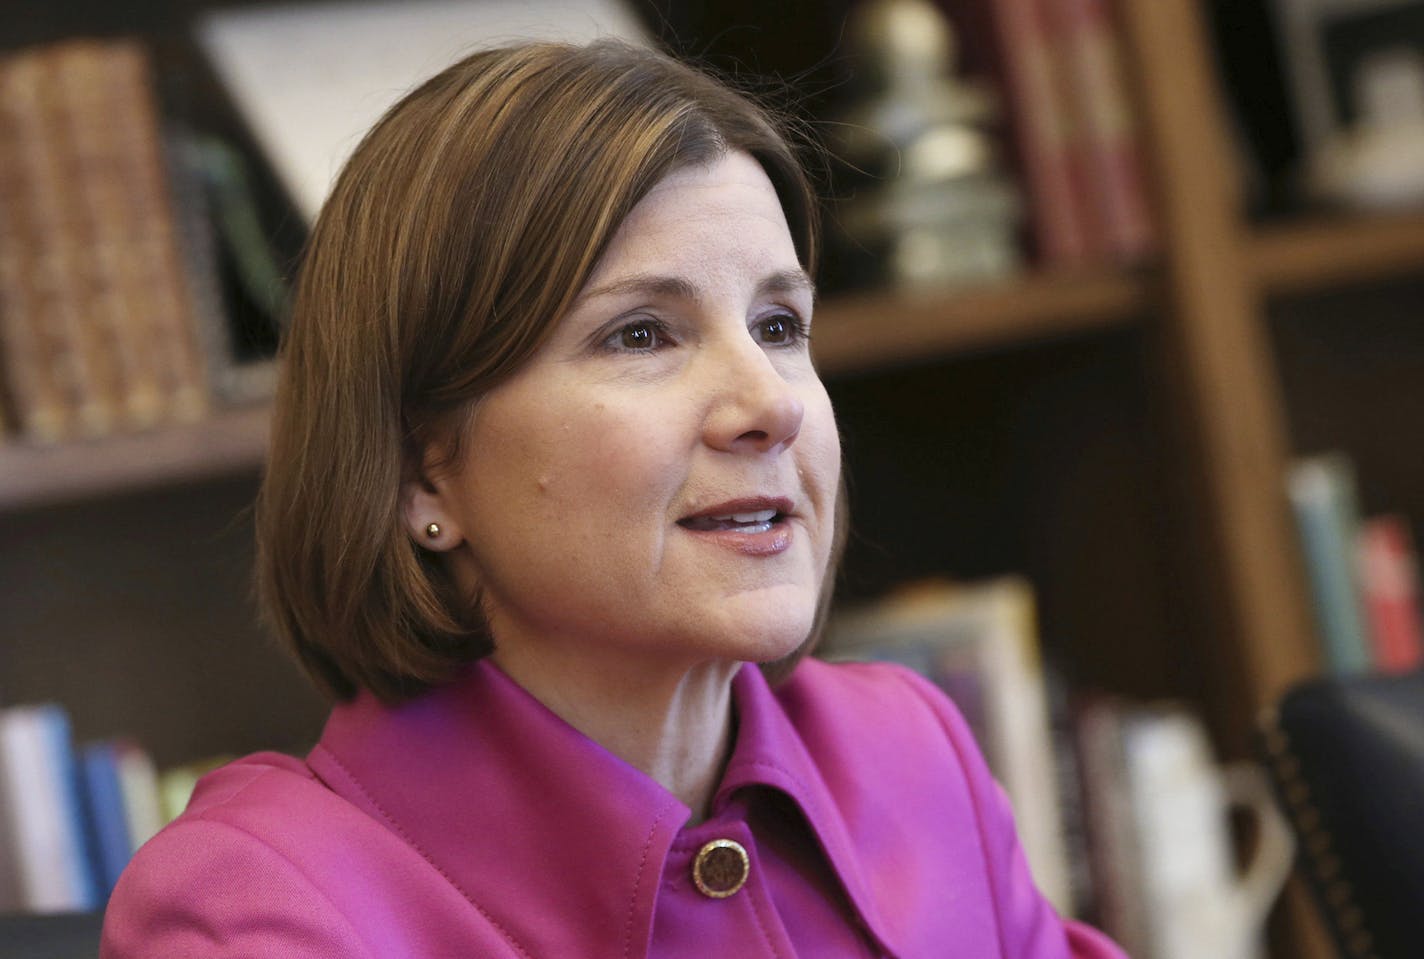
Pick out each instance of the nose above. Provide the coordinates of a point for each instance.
(754, 409)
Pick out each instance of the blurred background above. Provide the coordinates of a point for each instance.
(1120, 314)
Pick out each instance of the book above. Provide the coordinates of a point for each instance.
(106, 821)
(239, 289)
(1389, 583)
(1105, 139)
(43, 834)
(1008, 43)
(1324, 499)
(1072, 795)
(156, 280)
(95, 319)
(138, 782)
(116, 340)
(979, 643)
(1114, 860)
(37, 310)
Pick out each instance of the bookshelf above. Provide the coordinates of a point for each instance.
(1158, 391)
(1313, 256)
(231, 441)
(927, 325)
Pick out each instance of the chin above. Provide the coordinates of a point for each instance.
(774, 634)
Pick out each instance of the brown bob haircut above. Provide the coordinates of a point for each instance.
(458, 234)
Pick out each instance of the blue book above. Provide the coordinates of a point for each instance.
(69, 791)
(1322, 493)
(108, 829)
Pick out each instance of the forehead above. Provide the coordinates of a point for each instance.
(718, 216)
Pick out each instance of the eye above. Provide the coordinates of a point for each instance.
(639, 336)
(782, 329)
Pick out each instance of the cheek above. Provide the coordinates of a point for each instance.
(821, 456)
(602, 466)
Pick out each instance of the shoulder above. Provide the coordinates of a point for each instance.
(875, 703)
(267, 860)
(235, 874)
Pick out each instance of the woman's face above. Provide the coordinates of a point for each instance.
(661, 478)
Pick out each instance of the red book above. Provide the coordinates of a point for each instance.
(1105, 138)
(1389, 584)
(1007, 42)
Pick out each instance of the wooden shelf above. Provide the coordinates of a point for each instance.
(226, 443)
(864, 331)
(1320, 253)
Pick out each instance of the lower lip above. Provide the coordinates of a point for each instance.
(770, 543)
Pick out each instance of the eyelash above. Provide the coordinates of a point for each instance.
(796, 330)
(798, 333)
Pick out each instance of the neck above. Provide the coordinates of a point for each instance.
(673, 725)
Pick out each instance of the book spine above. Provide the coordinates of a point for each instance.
(39, 365)
(1389, 580)
(1017, 702)
(1112, 840)
(110, 844)
(1322, 494)
(1060, 36)
(98, 386)
(47, 834)
(159, 283)
(1107, 137)
(1072, 801)
(138, 781)
(1006, 43)
(76, 854)
(104, 187)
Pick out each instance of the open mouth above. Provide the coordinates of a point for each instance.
(750, 522)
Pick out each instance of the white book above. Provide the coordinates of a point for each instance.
(138, 781)
(310, 79)
(42, 834)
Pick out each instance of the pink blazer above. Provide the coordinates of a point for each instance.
(473, 822)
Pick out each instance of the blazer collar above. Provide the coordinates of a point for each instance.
(770, 751)
(521, 811)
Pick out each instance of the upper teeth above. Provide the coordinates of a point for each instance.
(760, 516)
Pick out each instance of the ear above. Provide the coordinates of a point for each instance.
(428, 518)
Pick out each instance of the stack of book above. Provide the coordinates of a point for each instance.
(1073, 126)
(1121, 810)
(1363, 572)
(71, 818)
(96, 314)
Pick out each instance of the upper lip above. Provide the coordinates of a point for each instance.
(749, 504)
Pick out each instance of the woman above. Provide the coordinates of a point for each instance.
(550, 464)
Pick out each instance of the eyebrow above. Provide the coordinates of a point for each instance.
(647, 284)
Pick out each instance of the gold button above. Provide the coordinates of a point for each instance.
(720, 868)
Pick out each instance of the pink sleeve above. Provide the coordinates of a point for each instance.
(208, 890)
(1028, 925)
